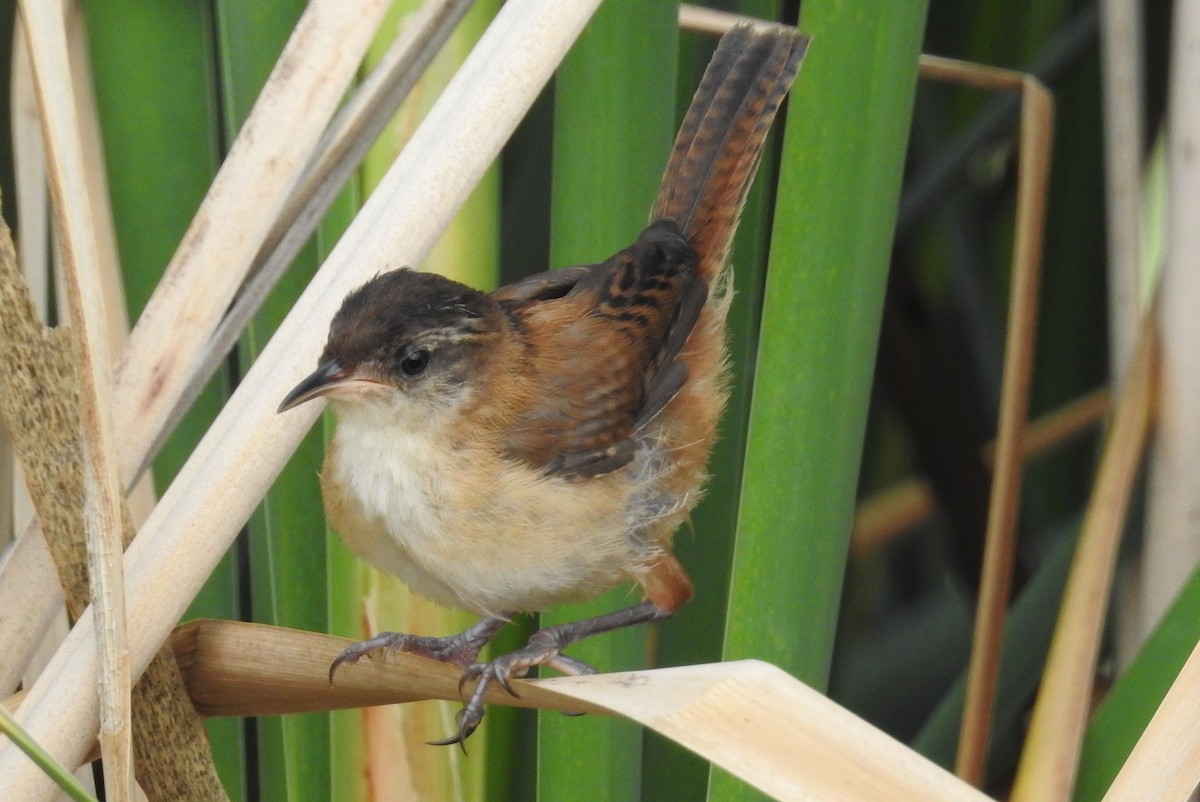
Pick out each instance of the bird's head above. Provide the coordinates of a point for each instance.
(405, 340)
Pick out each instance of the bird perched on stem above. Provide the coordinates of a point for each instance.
(504, 452)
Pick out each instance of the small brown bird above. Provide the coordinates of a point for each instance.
(504, 452)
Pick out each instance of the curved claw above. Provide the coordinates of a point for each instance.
(543, 648)
(352, 653)
(456, 738)
(387, 641)
(469, 673)
(468, 721)
(501, 675)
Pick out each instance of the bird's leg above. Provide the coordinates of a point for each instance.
(460, 649)
(543, 648)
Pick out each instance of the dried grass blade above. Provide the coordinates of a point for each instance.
(33, 589)
(766, 727)
(141, 498)
(1037, 126)
(70, 786)
(1050, 758)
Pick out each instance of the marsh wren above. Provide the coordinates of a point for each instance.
(504, 452)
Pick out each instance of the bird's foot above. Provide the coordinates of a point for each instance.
(461, 649)
(542, 649)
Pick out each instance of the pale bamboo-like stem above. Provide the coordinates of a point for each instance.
(141, 498)
(709, 20)
(1121, 51)
(33, 227)
(244, 450)
(34, 589)
(23, 119)
(238, 210)
(29, 162)
(1037, 125)
(45, 29)
(26, 571)
(95, 179)
(1172, 543)
(1124, 146)
(1050, 757)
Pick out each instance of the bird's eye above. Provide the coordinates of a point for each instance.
(415, 362)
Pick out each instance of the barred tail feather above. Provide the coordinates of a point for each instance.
(717, 151)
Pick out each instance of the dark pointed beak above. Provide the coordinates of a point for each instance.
(316, 383)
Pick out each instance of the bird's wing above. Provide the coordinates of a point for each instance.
(604, 353)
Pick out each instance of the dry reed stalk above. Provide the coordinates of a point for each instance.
(256, 179)
(29, 161)
(1124, 155)
(1050, 757)
(141, 498)
(709, 20)
(45, 29)
(31, 585)
(245, 448)
(27, 575)
(1121, 44)
(235, 668)
(33, 571)
(1036, 130)
(39, 399)
(1172, 541)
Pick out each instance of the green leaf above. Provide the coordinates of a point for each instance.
(696, 634)
(847, 128)
(614, 121)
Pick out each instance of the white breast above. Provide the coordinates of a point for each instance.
(469, 529)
